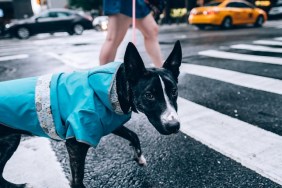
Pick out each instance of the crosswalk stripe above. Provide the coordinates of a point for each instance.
(14, 45)
(273, 26)
(16, 49)
(241, 57)
(254, 148)
(256, 48)
(268, 42)
(34, 162)
(13, 57)
(233, 77)
(278, 38)
(75, 63)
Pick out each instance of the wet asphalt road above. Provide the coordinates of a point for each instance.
(176, 160)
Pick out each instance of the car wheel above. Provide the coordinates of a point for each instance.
(226, 23)
(98, 28)
(78, 29)
(23, 33)
(259, 21)
(70, 32)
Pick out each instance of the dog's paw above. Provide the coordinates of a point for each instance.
(141, 161)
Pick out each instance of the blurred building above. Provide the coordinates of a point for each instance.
(14, 9)
(17, 9)
(57, 3)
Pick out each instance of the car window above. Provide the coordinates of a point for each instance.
(53, 14)
(212, 4)
(62, 14)
(44, 15)
(233, 5)
(238, 5)
(243, 5)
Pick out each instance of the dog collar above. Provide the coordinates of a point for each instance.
(43, 106)
(114, 98)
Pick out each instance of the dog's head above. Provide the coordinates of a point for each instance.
(155, 89)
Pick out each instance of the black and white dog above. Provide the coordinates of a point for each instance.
(152, 91)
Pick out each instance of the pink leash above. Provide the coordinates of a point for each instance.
(133, 22)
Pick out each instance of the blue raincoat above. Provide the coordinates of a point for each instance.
(83, 105)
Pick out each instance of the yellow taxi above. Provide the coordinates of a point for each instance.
(226, 14)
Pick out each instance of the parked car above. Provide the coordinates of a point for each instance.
(1, 22)
(227, 14)
(2, 28)
(50, 21)
(100, 23)
(276, 10)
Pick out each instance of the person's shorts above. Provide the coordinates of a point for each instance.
(112, 7)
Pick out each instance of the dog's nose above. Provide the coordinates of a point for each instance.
(173, 126)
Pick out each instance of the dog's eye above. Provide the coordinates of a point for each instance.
(174, 92)
(149, 96)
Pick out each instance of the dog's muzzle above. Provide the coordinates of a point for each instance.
(170, 121)
(172, 126)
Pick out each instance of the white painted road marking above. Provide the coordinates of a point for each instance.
(268, 42)
(256, 48)
(273, 23)
(80, 61)
(273, 26)
(14, 57)
(278, 38)
(242, 57)
(233, 77)
(254, 148)
(34, 162)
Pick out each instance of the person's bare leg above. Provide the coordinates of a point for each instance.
(149, 28)
(117, 28)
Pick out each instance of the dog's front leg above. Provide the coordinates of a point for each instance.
(134, 142)
(77, 153)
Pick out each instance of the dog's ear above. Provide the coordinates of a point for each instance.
(134, 66)
(173, 61)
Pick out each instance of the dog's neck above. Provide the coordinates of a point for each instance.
(124, 91)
